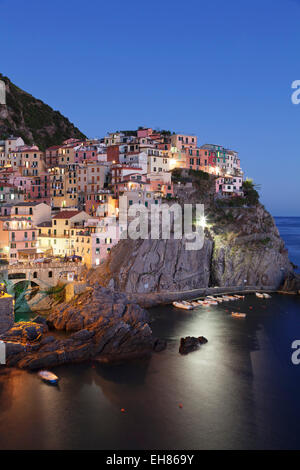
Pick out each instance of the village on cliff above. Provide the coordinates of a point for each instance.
(54, 204)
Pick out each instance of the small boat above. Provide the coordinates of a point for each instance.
(219, 299)
(48, 377)
(184, 305)
(194, 304)
(211, 302)
(238, 315)
(239, 297)
(259, 295)
(267, 296)
(210, 297)
(203, 303)
(226, 298)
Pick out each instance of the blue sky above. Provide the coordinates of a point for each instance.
(219, 69)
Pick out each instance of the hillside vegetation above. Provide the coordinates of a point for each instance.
(34, 121)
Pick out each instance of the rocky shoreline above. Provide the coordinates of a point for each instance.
(99, 324)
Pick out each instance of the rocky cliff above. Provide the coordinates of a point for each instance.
(98, 325)
(34, 121)
(242, 246)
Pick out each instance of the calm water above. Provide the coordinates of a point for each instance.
(240, 390)
(289, 228)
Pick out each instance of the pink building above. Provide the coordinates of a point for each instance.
(18, 239)
(86, 154)
(145, 132)
(39, 190)
(166, 189)
(229, 186)
(182, 141)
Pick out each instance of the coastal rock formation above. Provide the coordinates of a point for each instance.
(190, 343)
(158, 265)
(292, 284)
(248, 249)
(242, 247)
(101, 325)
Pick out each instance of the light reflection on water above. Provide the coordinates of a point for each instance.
(240, 390)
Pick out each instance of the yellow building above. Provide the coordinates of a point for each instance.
(56, 237)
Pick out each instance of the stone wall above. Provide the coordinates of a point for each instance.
(6, 313)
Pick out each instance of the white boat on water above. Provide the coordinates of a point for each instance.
(211, 302)
(184, 305)
(238, 315)
(203, 303)
(48, 377)
(267, 296)
(259, 295)
(239, 297)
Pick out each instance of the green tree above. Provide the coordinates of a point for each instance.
(250, 192)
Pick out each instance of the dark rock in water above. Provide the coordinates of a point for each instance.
(190, 343)
(159, 345)
(41, 320)
(105, 325)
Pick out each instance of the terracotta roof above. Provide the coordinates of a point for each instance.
(66, 214)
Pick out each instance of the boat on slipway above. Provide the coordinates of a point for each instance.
(183, 305)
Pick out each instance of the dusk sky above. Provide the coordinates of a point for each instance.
(220, 70)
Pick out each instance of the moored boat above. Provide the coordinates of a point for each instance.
(48, 377)
(231, 297)
(259, 295)
(238, 315)
(211, 302)
(239, 297)
(266, 296)
(184, 305)
(203, 303)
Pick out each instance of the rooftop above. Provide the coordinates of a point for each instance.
(66, 214)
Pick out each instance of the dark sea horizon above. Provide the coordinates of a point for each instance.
(238, 391)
